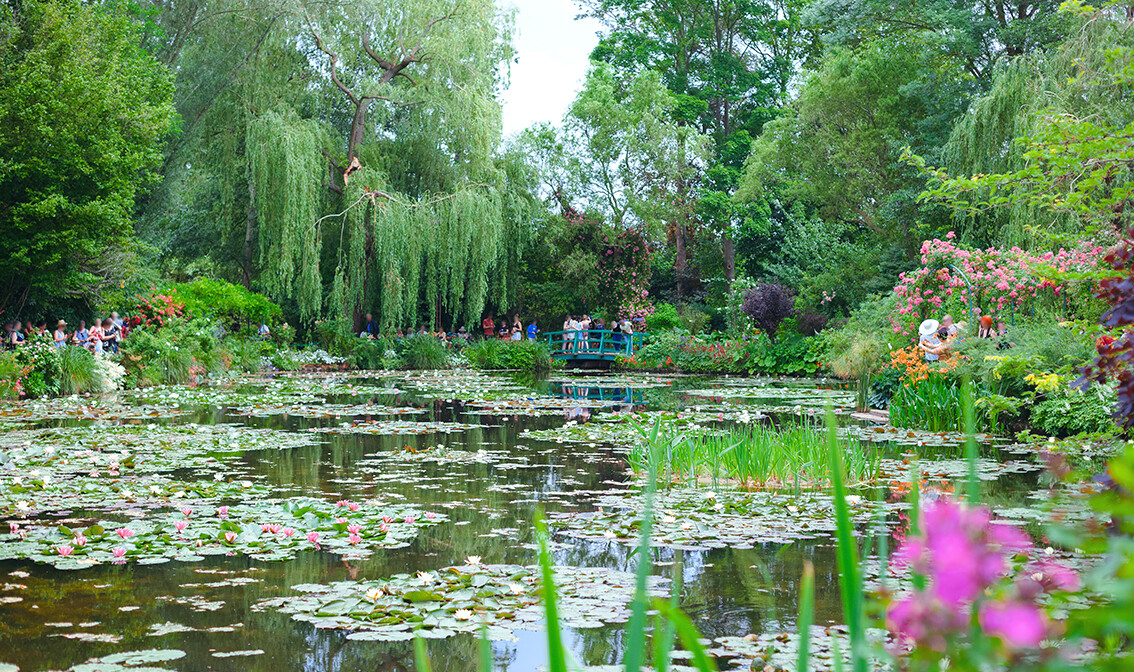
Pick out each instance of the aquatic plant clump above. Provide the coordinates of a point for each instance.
(270, 530)
(463, 599)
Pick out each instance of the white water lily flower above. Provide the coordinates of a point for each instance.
(853, 500)
(127, 494)
(516, 588)
(609, 534)
(473, 560)
(155, 489)
(669, 519)
(22, 505)
(46, 479)
(218, 477)
(246, 484)
(710, 495)
(178, 494)
(687, 526)
(462, 615)
(425, 577)
(373, 594)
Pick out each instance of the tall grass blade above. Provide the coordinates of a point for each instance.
(688, 634)
(557, 659)
(485, 649)
(636, 627)
(850, 583)
(664, 631)
(421, 655)
(972, 485)
(806, 613)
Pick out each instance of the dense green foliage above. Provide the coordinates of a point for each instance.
(83, 109)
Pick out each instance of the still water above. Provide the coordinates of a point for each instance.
(209, 609)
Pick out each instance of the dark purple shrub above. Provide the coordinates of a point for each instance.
(768, 304)
(1116, 356)
(811, 322)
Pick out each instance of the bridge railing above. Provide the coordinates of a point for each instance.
(592, 344)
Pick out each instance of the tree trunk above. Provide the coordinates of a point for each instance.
(680, 263)
(249, 232)
(729, 252)
(357, 128)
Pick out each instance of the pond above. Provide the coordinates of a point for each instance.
(173, 528)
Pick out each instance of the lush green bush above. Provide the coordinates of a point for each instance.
(790, 355)
(710, 353)
(11, 376)
(492, 353)
(232, 304)
(664, 318)
(422, 351)
(80, 371)
(335, 336)
(1069, 410)
(41, 359)
(375, 354)
(933, 404)
(246, 355)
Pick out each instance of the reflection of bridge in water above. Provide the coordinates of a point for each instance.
(591, 348)
(606, 395)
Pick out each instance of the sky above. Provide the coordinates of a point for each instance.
(552, 49)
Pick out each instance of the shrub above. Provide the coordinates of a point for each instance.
(234, 305)
(1068, 410)
(768, 305)
(246, 356)
(335, 336)
(423, 351)
(154, 311)
(694, 320)
(41, 359)
(12, 375)
(810, 322)
(79, 372)
(486, 354)
(374, 354)
(491, 353)
(664, 318)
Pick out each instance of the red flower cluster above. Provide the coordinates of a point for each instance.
(154, 311)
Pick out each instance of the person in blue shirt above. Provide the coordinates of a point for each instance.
(532, 330)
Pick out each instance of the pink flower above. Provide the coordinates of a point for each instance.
(118, 552)
(429, 515)
(383, 527)
(353, 506)
(180, 525)
(313, 537)
(265, 527)
(950, 235)
(124, 532)
(64, 550)
(79, 540)
(1019, 625)
(354, 538)
(353, 529)
(13, 527)
(274, 528)
(410, 519)
(341, 503)
(186, 511)
(222, 512)
(387, 519)
(340, 520)
(230, 537)
(287, 531)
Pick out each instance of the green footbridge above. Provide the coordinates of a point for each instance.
(591, 348)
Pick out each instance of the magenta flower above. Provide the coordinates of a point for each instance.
(1019, 625)
(353, 506)
(429, 515)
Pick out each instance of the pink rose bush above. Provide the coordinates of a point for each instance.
(1002, 279)
(965, 565)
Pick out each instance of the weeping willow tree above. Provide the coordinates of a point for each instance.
(1067, 80)
(284, 170)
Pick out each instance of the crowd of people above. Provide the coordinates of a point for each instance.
(938, 339)
(586, 333)
(104, 334)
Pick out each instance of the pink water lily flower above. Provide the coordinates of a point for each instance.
(353, 506)
(341, 503)
(313, 537)
(64, 550)
(222, 512)
(79, 540)
(353, 529)
(265, 527)
(180, 525)
(124, 532)
(287, 531)
(387, 519)
(186, 511)
(230, 537)
(429, 515)
(13, 527)
(354, 538)
(274, 528)
(410, 519)
(340, 520)
(383, 527)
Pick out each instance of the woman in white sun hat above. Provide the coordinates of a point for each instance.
(928, 341)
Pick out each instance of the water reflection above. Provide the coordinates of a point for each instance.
(209, 606)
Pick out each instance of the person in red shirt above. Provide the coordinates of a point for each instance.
(489, 326)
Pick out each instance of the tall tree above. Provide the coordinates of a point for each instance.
(83, 109)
